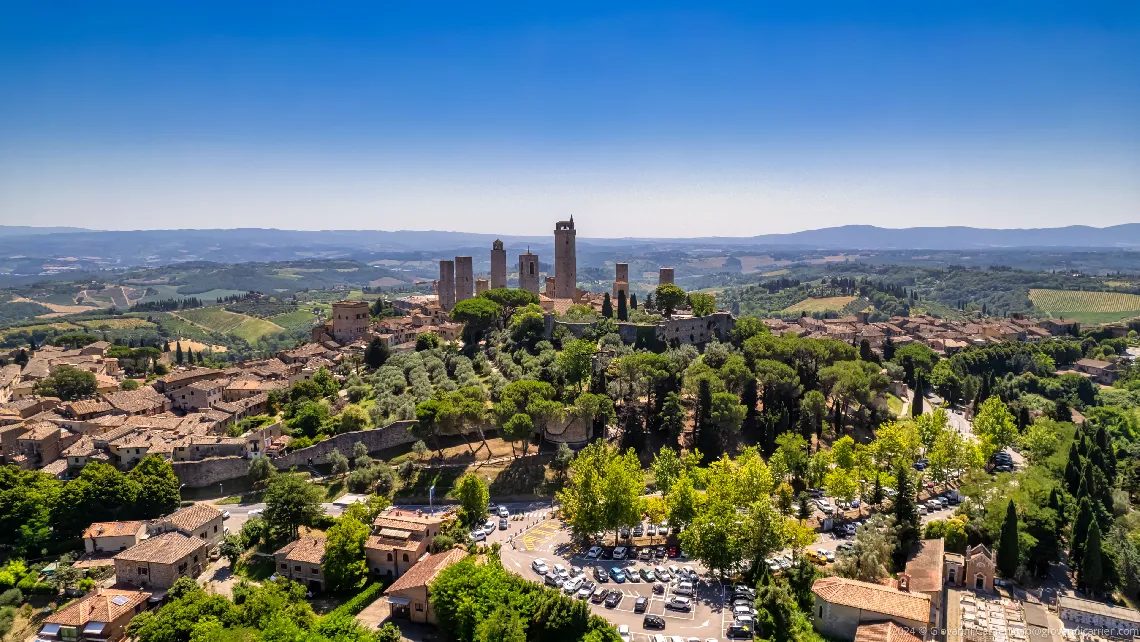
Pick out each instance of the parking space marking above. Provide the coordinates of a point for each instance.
(539, 534)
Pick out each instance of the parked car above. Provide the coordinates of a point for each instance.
(561, 571)
(640, 604)
(651, 530)
(623, 633)
(659, 552)
(478, 535)
(539, 566)
(600, 574)
(631, 574)
(553, 580)
(673, 552)
(844, 546)
(647, 574)
(594, 552)
(739, 631)
(572, 585)
(678, 603)
(638, 531)
(225, 514)
(576, 571)
(586, 590)
(662, 574)
(738, 611)
(619, 553)
(653, 622)
(599, 595)
(503, 523)
(645, 554)
(625, 532)
(659, 588)
(684, 588)
(503, 512)
(618, 575)
(613, 599)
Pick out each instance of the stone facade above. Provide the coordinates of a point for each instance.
(350, 321)
(565, 260)
(394, 434)
(498, 265)
(300, 561)
(445, 287)
(841, 605)
(159, 561)
(664, 275)
(621, 282)
(464, 278)
(529, 272)
(207, 472)
(481, 286)
(551, 289)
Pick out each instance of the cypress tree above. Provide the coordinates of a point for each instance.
(888, 348)
(632, 301)
(607, 306)
(906, 516)
(622, 313)
(805, 508)
(916, 405)
(877, 491)
(1091, 574)
(1008, 550)
(189, 356)
(1022, 419)
(178, 356)
(1062, 411)
(1080, 530)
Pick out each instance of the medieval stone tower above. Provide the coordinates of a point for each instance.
(498, 265)
(528, 272)
(464, 278)
(621, 281)
(664, 275)
(565, 260)
(446, 287)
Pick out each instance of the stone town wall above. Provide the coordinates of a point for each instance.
(205, 472)
(692, 331)
(394, 434)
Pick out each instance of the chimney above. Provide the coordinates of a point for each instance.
(904, 583)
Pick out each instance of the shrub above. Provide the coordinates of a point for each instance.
(359, 601)
(11, 597)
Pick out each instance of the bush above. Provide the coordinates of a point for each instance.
(359, 601)
(86, 585)
(441, 543)
(11, 597)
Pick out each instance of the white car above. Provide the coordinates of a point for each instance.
(539, 566)
(561, 571)
(503, 512)
(478, 535)
(255, 512)
(740, 611)
(594, 552)
(745, 620)
(571, 586)
(225, 514)
(678, 603)
(623, 633)
(684, 588)
(619, 553)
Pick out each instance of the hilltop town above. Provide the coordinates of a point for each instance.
(896, 475)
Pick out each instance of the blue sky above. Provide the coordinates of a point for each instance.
(676, 118)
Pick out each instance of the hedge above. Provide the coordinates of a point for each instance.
(359, 601)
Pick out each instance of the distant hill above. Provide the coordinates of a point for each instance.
(869, 237)
(27, 230)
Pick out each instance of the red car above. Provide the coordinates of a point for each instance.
(673, 552)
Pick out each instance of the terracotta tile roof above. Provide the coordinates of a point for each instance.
(884, 632)
(873, 597)
(88, 407)
(41, 430)
(193, 517)
(112, 529)
(411, 542)
(55, 467)
(193, 373)
(425, 570)
(309, 549)
(1094, 363)
(167, 548)
(143, 399)
(85, 447)
(101, 605)
(925, 568)
(8, 374)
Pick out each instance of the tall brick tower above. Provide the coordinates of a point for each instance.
(528, 272)
(498, 265)
(664, 275)
(565, 260)
(621, 281)
(446, 287)
(464, 278)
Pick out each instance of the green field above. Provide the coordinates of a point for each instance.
(1086, 307)
(820, 304)
(226, 322)
(296, 320)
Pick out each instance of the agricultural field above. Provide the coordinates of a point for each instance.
(189, 344)
(1086, 307)
(62, 326)
(123, 323)
(225, 322)
(297, 320)
(820, 304)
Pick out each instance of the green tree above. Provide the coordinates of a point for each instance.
(905, 513)
(232, 549)
(1092, 572)
(702, 303)
(916, 402)
(813, 409)
(427, 341)
(473, 496)
(994, 425)
(261, 469)
(158, 486)
(100, 490)
(389, 633)
(28, 500)
(576, 360)
(344, 564)
(338, 461)
(477, 315)
(672, 416)
(622, 311)
(682, 502)
(503, 625)
(607, 306)
(667, 468)
(669, 298)
(129, 384)
(562, 459)
(353, 419)
(632, 301)
(376, 354)
(178, 356)
(290, 503)
(518, 428)
(67, 383)
(1009, 554)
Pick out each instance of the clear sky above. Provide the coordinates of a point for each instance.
(661, 118)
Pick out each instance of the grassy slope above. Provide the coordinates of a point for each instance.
(820, 304)
(1086, 307)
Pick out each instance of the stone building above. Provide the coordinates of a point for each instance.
(924, 574)
(621, 281)
(498, 265)
(843, 605)
(100, 616)
(664, 275)
(565, 260)
(350, 321)
(1098, 618)
(402, 538)
(464, 278)
(200, 521)
(105, 537)
(300, 561)
(445, 287)
(529, 276)
(551, 288)
(975, 569)
(481, 286)
(410, 597)
(160, 560)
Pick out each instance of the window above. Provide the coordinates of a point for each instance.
(419, 606)
(389, 557)
(215, 528)
(314, 570)
(284, 566)
(821, 612)
(141, 570)
(405, 557)
(297, 567)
